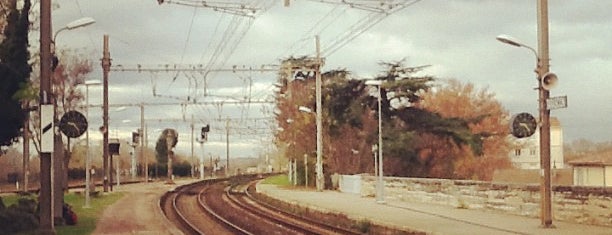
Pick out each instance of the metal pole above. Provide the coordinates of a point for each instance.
(106, 63)
(375, 151)
(227, 149)
(142, 138)
(133, 162)
(26, 148)
(146, 145)
(202, 161)
(87, 161)
(381, 184)
(319, 163)
(543, 68)
(306, 170)
(294, 162)
(290, 166)
(192, 155)
(46, 97)
(118, 170)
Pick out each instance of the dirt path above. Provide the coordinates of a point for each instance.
(137, 212)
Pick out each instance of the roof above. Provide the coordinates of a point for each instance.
(593, 160)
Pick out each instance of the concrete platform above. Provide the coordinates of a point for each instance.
(428, 218)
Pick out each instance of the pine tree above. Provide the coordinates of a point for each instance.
(14, 72)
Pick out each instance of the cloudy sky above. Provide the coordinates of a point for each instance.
(457, 38)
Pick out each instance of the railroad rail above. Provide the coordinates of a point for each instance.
(227, 206)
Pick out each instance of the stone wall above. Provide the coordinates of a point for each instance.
(587, 205)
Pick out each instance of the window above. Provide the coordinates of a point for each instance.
(517, 152)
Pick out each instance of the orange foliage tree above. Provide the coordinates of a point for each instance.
(487, 118)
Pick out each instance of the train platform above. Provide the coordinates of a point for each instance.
(425, 218)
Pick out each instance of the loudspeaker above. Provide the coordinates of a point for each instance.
(549, 81)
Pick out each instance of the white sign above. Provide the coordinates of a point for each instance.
(46, 128)
(556, 102)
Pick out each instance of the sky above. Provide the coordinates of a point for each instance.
(457, 38)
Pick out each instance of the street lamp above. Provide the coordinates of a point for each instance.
(513, 42)
(57, 165)
(88, 160)
(543, 93)
(380, 186)
(82, 22)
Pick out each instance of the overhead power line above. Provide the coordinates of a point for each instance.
(234, 8)
(188, 68)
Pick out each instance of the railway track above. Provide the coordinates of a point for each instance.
(227, 206)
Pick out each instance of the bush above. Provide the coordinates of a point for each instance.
(181, 169)
(70, 217)
(76, 173)
(12, 177)
(19, 217)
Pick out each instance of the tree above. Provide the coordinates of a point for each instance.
(14, 71)
(582, 148)
(405, 123)
(486, 119)
(161, 146)
(412, 134)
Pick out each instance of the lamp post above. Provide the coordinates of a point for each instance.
(82, 22)
(320, 183)
(542, 69)
(380, 186)
(88, 159)
(57, 163)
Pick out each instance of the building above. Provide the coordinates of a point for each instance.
(526, 152)
(593, 170)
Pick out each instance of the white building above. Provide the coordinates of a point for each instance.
(526, 152)
(593, 170)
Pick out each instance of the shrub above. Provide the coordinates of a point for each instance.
(19, 217)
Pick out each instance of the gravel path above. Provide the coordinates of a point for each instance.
(138, 211)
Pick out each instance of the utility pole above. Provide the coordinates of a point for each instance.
(106, 63)
(544, 94)
(320, 183)
(46, 98)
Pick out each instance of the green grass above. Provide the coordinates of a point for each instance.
(88, 217)
(282, 180)
(12, 199)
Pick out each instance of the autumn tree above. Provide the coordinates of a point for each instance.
(405, 124)
(350, 115)
(296, 133)
(486, 120)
